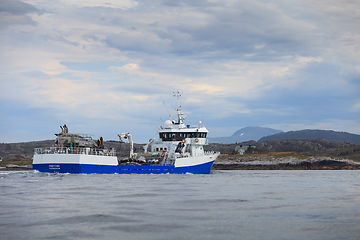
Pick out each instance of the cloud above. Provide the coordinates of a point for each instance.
(90, 36)
(355, 108)
(8, 19)
(238, 63)
(13, 12)
(136, 41)
(58, 38)
(124, 4)
(130, 68)
(15, 7)
(205, 32)
(207, 88)
(37, 75)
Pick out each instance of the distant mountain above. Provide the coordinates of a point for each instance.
(245, 134)
(314, 134)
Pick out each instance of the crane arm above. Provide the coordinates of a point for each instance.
(128, 135)
(146, 146)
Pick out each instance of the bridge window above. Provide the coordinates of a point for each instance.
(180, 136)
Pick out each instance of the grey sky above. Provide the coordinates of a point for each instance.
(105, 67)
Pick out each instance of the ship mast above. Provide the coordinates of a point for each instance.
(181, 117)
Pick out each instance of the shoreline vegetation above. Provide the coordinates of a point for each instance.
(291, 154)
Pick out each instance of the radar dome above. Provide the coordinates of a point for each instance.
(167, 124)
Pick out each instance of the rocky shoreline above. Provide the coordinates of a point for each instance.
(14, 167)
(284, 163)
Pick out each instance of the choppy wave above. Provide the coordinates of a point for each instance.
(221, 205)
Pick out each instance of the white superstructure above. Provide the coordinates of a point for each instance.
(180, 144)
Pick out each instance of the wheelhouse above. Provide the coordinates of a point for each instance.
(179, 136)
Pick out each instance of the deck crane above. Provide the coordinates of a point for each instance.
(128, 135)
(147, 145)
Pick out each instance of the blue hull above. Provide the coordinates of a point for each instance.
(122, 169)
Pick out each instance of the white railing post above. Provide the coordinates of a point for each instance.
(80, 150)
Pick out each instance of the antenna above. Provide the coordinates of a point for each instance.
(178, 95)
(165, 106)
(179, 113)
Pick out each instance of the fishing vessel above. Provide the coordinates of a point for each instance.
(179, 149)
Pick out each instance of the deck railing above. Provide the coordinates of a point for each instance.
(75, 150)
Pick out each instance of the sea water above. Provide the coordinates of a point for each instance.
(220, 205)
